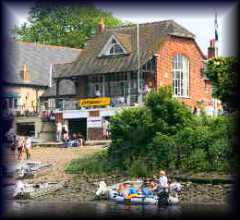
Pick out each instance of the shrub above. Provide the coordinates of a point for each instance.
(139, 167)
(162, 152)
(197, 160)
(168, 114)
(130, 131)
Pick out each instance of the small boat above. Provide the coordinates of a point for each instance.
(29, 168)
(112, 193)
(22, 190)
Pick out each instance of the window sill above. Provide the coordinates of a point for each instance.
(184, 97)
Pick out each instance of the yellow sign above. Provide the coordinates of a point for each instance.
(95, 102)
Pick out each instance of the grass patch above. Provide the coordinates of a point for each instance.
(94, 164)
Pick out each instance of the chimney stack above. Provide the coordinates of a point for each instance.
(212, 49)
(25, 76)
(101, 26)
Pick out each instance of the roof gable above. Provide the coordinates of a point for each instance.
(151, 37)
(112, 41)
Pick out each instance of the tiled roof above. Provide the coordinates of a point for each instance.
(125, 40)
(38, 57)
(151, 37)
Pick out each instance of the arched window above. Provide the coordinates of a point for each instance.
(180, 76)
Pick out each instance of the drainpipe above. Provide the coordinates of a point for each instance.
(50, 75)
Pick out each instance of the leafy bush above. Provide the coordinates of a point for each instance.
(197, 160)
(164, 134)
(163, 148)
(130, 131)
(168, 114)
(139, 167)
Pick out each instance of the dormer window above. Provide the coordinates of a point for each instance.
(116, 49)
(112, 47)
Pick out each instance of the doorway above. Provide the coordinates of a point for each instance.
(78, 126)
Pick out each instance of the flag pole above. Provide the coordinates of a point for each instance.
(216, 34)
(138, 68)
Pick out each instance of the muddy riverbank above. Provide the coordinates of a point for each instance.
(82, 187)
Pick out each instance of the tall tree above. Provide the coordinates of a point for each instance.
(222, 72)
(63, 24)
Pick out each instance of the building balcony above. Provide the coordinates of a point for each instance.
(74, 104)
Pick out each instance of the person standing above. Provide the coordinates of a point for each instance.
(163, 182)
(105, 127)
(65, 135)
(21, 146)
(28, 147)
(59, 132)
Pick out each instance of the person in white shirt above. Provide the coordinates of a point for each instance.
(59, 132)
(97, 92)
(163, 181)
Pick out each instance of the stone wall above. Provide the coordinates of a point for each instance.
(95, 134)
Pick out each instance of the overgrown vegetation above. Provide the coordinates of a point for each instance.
(223, 73)
(164, 134)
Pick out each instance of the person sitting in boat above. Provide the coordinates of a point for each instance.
(163, 182)
(153, 186)
(132, 192)
(123, 189)
(146, 189)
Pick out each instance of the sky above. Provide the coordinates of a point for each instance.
(197, 18)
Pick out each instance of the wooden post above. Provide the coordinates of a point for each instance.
(57, 93)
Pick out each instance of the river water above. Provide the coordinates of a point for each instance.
(108, 209)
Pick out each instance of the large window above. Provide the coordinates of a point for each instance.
(181, 76)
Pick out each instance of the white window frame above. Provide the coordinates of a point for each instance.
(178, 82)
(108, 46)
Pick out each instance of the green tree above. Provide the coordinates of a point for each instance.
(168, 114)
(145, 133)
(59, 24)
(222, 72)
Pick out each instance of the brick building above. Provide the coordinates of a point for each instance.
(121, 64)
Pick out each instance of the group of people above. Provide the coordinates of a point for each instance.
(148, 188)
(20, 143)
(62, 135)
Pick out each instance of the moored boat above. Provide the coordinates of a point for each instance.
(169, 197)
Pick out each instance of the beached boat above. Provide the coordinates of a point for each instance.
(28, 169)
(112, 193)
(21, 190)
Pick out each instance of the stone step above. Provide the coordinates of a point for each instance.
(97, 142)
